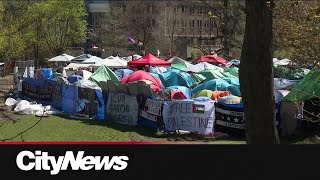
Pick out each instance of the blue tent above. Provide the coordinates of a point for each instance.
(217, 85)
(175, 77)
(74, 78)
(123, 72)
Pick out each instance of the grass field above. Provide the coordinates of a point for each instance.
(58, 129)
(55, 128)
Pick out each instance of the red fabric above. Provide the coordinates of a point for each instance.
(142, 75)
(150, 60)
(211, 59)
(177, 94)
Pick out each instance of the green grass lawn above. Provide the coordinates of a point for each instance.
(58, 129)
(55, 128)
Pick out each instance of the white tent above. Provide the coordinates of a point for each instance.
(85, 74)
(93, 59)
(112, 62)
(76, 65)
(176, 60)
(202, 66)
(135, 56)
(61, 58)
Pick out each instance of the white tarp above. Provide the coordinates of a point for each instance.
(202, 66)
(129, 58)
(158, 69)
(86, 74)
(76, 65)
(84, 83)
(61, 58)
(189, 115)
(93, 59)
(112, 62)
(283, 62)
(175, 59)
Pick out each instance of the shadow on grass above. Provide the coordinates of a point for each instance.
(152, 133)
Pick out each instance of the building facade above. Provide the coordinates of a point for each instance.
(185, 26)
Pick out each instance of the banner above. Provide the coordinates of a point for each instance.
(153, 107)
(193, 116)
(122, 108)
(37, 92)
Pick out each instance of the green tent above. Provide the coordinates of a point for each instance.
(213, 74)
(307, 88)
(197, 78)
(102, 74)
(181, 65)
(233, 71)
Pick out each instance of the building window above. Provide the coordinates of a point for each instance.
(192, 23)
(183, 9)
(200, 23)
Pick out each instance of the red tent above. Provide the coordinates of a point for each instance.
(142, 75)
(150, 60)
(211, 59)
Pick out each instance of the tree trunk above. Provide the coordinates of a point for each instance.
(256, 75)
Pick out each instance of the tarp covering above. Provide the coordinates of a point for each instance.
(114, 62)
(211, 59)
(213, 74)
(292, 74)
(87, 84)
(284, 83)
(214, 95)
(198, 78)
(202, 66)
(158, 69)
(150, 60)
(61, 58)
(142, 75)
(93, 59)
(47, 73)
(307, 88)
(103, 74)
(176, 59)
(76, 65)
(176, 78)
(81, 58)
(181, 65)
(69, 101)
(217, 85)
(186, 91)
(122, 72)
(74, 78)
(232, 71)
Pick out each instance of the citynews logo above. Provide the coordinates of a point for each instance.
(42, 161)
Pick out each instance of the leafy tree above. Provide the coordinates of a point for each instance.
(297, 32)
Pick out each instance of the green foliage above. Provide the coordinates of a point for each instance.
(297, 32)
(48, 25)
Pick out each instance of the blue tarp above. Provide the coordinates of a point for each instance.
(123, 72)
(74, 78)
(101, 106)
(69, 101)
(47, 73)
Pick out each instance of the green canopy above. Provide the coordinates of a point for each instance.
(102, 74)
(307, 88)
(181, 65)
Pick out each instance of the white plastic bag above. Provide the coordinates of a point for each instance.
(10, 102)
(22, 105)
